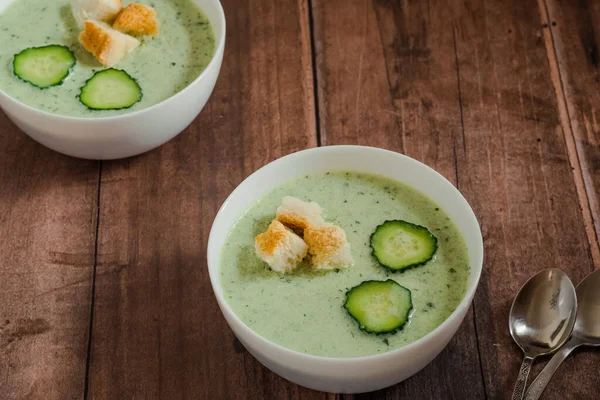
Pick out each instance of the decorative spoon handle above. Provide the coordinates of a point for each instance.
(522, 380)
(539, 384)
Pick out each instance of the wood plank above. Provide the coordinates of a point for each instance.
(573, 40)
(157, 329)
(47, 232)
(403, 75)
(387, 78)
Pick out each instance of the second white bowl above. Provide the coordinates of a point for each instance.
(359, 374)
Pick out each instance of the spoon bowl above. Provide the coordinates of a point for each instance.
(542, 318)
(586, 331)
(587, 324)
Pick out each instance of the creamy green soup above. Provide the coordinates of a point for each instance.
(162, 66)
(304, 310)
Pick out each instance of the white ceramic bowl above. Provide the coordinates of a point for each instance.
(128, 134)
(360, 374)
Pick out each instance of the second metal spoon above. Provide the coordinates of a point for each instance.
(585, 333)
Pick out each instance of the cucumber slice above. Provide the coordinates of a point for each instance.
(110, 89)
(399, 245)
(44, 66)
(379, 306)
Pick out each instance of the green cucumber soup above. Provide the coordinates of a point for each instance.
(162, 66)
(304, 310)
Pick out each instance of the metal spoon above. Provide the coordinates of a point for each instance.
(541, 319)
(585, 333)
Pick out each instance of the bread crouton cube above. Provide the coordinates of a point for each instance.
(328, 247)
(138, 20)
(99, 10)
(299, 215)
(281, 248)
(108, 45)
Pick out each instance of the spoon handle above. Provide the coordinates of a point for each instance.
(522, 379)
(539, 384)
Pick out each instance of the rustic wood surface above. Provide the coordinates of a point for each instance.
(575, 38)
(47, 234)
(103, 277)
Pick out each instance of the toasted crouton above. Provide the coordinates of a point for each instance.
(108, 45)
(138, 20)
(99, 10)
(328, 247)
(281, 248)
(298, 215)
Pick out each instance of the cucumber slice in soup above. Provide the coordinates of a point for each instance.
(379, 306)
(399, 245)
(44, 66)
(110, 89)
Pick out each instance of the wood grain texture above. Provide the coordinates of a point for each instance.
(574, 38)
(387, 78)
(577, 148)
(157, 329)
(47, 231)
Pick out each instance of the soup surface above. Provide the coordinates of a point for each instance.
(304, 310)
(162, 66)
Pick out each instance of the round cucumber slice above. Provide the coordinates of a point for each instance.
(379, 306)
(399, 245)
(110, 89)
(44, 66)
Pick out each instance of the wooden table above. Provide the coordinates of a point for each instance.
(104, 290)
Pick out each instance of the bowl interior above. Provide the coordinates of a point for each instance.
(348, 158)
(4, 4)
(214, 12)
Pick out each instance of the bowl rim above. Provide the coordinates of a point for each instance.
(219, 48)
(461, 308)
